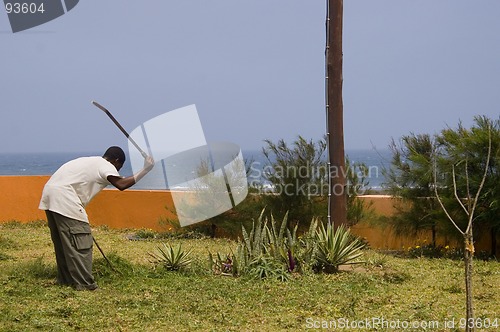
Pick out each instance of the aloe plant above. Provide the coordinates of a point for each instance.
(265, 250)
(173, 259)
(308, 245)
(335, 247)
(282, 244)
(266, 267)
(252, 245)
(263, 247)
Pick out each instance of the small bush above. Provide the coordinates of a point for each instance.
(172, 259)
(376, 260)
(222, 265)
(428, 251)
(335, 248)
(146, 234)
(266, 251)
(266, 267)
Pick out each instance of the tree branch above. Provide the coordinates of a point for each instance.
(439, 198)
(456, 192)
(483, 180)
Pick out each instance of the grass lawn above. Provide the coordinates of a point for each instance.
(386, 290)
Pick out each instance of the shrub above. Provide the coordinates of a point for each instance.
(298, 173)
(172, 259)
(223, 266)
(266, 252)
(267, 267)
(465, 150)
(429, 251)
(262, 252)
(335, 248)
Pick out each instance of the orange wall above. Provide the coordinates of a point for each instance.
(384, 238)
(383, 205)
(20, 195)
(131, 209)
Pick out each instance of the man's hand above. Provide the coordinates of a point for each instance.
(149, 163)
(125, 183)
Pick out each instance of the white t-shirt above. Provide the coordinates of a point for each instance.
(74, 185)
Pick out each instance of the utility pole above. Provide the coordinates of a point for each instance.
(337, 195)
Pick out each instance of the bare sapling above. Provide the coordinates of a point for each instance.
(468, 205)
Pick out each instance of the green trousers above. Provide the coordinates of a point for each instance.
(72, 241)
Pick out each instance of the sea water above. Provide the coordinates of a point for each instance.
(48, 163)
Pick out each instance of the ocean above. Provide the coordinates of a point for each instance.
(48, 163)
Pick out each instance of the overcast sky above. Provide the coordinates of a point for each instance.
(254, 69)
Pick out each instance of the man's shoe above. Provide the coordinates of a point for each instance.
(91, 287)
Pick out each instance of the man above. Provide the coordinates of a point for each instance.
(64, 199)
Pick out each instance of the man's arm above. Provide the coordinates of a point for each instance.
(129, 181)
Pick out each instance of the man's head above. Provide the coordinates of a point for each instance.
(115, 156)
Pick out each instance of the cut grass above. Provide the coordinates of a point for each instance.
(142, 298)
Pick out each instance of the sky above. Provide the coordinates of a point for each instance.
(254, 69)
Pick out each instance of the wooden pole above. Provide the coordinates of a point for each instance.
(337, 207)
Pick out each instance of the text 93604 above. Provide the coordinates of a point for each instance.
(24, 8)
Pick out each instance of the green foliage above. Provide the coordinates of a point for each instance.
(120, 267)
(408, 289)
(253, 242)
(411, 174)
(146, 234)
(227, 224)
(308, 247)
(336, 247)
(430, 251)
(12, 224)
(251, 247)
(223, 264)
(282, 245)
(265, 243)
(267, 267)
(376, 260)
(172, 234)
(465, 151)
(265, 250)
(271, 250)
(410, 178)
(172, 259)
(298, 173)
(277, 246)
(357, 183)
